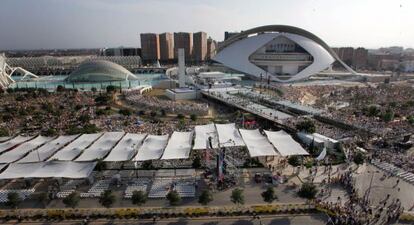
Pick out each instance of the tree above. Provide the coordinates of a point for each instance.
(107, 198)
(125, 112)
(173, 197)
(163, 113)
(42, 198)
(307, 126)
(72, 200)
(153, 114)
(93, 89)
(197, 162)
(147, 165)
(84, 118)
(269, 195)
(50, 132)
(308, 190)
(388, 115)
(13, 200)
(410, 119)
(180, 116)
(294, 161)
(359, 158)
(110, 88)
(181, 124)
(193, 117)
(100, 165)
(205, 197)
(139, 198)
(4, 132)
(237, 196)
(60, 88)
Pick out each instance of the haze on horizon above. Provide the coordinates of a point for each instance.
(54, 24)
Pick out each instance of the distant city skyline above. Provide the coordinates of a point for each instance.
(61, 24)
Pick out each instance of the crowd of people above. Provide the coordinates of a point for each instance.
(146, 102)
(33, 112)
(357, 209)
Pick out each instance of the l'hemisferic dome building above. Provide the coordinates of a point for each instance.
(278, 52)
(100, 71)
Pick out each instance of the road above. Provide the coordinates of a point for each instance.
(316, 219)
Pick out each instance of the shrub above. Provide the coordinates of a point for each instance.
(308, 190)
(72, 200)
(180, 116)
(49, 132)
(110, 88)
(410, 119)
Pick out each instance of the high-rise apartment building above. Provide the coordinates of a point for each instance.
(211, 48)
(166, 47)
(183, 40)
(199, 46)
(150, 47)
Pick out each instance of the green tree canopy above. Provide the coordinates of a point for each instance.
(107, 198)
(307, 126)
(13, 200)
(173, 197)
(138, 197)
(269, 195)
(205, 197)
(308, 190)
(237, 196)
(72, 200)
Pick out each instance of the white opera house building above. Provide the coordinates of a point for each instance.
(278, 53)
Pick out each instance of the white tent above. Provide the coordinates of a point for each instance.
(101, 147)
(285, 144)
(48, 149)
(23, 149)
(66, 169)
(72, 150)
(179, 146)
(202, 134)
(152, 148)
(256, 143)
(13, 142)
(322, 155)
(229, 135)
(126, 148)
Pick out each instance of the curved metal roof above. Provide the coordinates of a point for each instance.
(285, 29)
(100, 71)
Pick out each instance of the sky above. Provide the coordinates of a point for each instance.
(57, 24)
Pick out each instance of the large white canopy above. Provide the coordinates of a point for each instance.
(76, 147)
(285, 144)
(126, 148)
(21, 150)
(179, 146)
(13, 142)
(202, 134)
(48, 149)
(66, 169)
(101, 147)
(229, 135)
(152, 148)
(257, 144)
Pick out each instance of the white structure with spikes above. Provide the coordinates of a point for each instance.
(7, 71)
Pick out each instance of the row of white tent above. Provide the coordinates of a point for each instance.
(120, 146)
